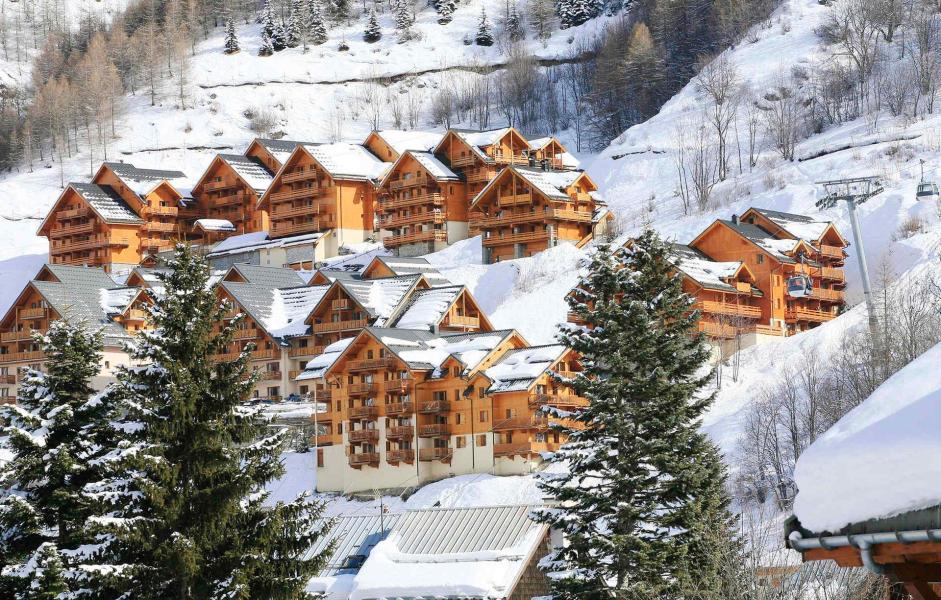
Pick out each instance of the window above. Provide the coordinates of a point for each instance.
(761, 259)
(484, 416)
(304, 390)
(457, 371)
(320, 457)
(481, 392)
(457, 395)
(461, 441)
(459, 418)
(510, 413)
(481, 440)
(440, 396)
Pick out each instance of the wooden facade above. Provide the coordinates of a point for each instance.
(524, 211)
(479, 156)
(224, 192)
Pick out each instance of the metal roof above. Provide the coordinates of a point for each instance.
(463, 530)
(129, 171)
(106, 203)
(760, 237)
(271, 277)
(355, 537)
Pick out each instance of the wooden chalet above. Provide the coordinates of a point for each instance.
(67, 292)
(422, 205)
(774, 258)
(228, 195)
(549, 153)
(479, 155)
(390, 144)
(271, 153)
(524, 211)
(325, 187)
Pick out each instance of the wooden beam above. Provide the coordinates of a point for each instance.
(921, 590)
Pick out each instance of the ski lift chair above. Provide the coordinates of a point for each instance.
(927, 191)
(800, 286)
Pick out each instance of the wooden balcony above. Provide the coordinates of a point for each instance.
(136, 314)
(828, 295)
(364, 412)
(299, 175)
(16, 336)
(464, 321)
(832, 252)
(152, 242)
(511, 160)
(399, 408)
(432, 200)
(8, 379)
(400, 456)
(465, 161)
(279, 211)
(514, 199)
(77, 229)
(73, 213)
(215, 186)
(237, 198)
(434, 407)
(430, 454)
(434, 235)
(434, 430)
(363, 436)
(306, 351)
(400, 432)
(808, 314)
(518, 423)
(566, 401)
(27, 356)
(94, 241)
(265, 375)
(283, 228)
(371, 364)
(832, 274)
(397, 386)
(393, 221)
(523, 449)
(364, 459)
(37, 312)
(342, 304)
(720, 330)
(249, 333)
(516, 238)
(399, 184)
(482, 175)
(160, 227)
(340, 325)
(164, 211)
(729, 308)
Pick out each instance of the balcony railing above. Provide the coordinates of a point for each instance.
(165, 211)
(464, 321)
(215, 186)
(78, 229)
(399, 408)
(523, 449)
(464, 161)
(807, 314)
(728, 308)
(359, 389)
(430, 454)
(37, 312)
(340, 325)
(30, 355)
(73, 213)
(397, 386)
(306, 351)
(371, 364)
(511, 160)
(514, 199)
(16, 336)
(8, 379)
(389, 203)
(832, 251)
(393, 221)
(516, 238)
(832, 274)
(720, 330)
(559, 400)
(527, 422)
(397, 456)
(399, 184)
(434, 430)
(341, 304)
(400, 431)
(361, 436)
(364, 412)
(433, 235)
(828, 295)
(245, 334)
(288, 228)
(269, 375)
(160, 227)
(299, 175)
(363, 459)
(433, 407)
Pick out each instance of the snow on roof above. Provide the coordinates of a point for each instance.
(518, 369)
(423, 557)
(435, 167)
(775, 247)
(143, 181)
(401, 265)
(881, 459)
(251, 170)
(423, 350)
(320, 364)
(106, 202)
(258, 240)
(427, 307)
(800, 226)
(380, 297)
(551, 183)
(702, 269)
(348, 161)
(280, 149)
(481, 139)
(353, 537)
(214, 225)
(114, 301)
(402, 141)
(290, 308)
(540, 143)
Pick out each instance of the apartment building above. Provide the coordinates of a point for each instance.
(228, 194)
(68, 292)
(422, 205)
(325, 187)
(271, 153)
(549, 153)
(523, 211)
(479, 155)
(796, 261)
(390, 144)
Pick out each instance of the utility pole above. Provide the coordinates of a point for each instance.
(854, 192)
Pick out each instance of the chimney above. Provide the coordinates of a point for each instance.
(735, 219)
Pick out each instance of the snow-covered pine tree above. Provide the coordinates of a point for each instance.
(445, 9)
(341, 10)
(576, 12)
(201, 523)
(316, 28)
(267, 20)
(402, 14)
(231, 40)
(541, 16)
(52, 435)
(293, 30)
(514, 25)
(372, 33)
(279, 38)
(640, 478)
(266, 48)
(484, 35)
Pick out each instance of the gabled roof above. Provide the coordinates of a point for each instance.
(776, 248)
(482, 139)
(437, 169)
(352, 538)
(551, 184)
(271, 277)
(425, 309)
(290, 308)
(413, 265)
(797, 226)
(706, 272)
(258, 240)
(106, 203)
(347, 161)
(143, 181)
(520, 368)
(401, 141)
(279, 149)
(214, 225)
(318, 366)
(379, 297)
(250, 170)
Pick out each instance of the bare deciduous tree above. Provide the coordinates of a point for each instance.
(720, 84)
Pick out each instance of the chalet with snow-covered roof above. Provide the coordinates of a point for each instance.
(801, 280)
(524, 211)
(68, 292)
(299, 252)
(395, 266)
(422, 205)
(390, 144)
(416, 554)
(227, 195)
(549, 153)
(325, 187)
(479, 155)
(271, 153)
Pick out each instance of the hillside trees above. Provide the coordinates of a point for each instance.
(372, 33)
(484, 35)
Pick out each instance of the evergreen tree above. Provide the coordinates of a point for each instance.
(484, 35)
(402, 15)
(293, 29)
(372, 33)
(54, 435)
(445, 10)
(196, 461)
(316, 29)
(641, 481)
(266, 49)
(279, 38)
(541, 16)
(267, 21)
(576, 12)
(514, 25)
(47, 577)
(341, 10)
(231, 41)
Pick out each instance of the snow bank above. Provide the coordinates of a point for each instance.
(881, 459)
(300, 475)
